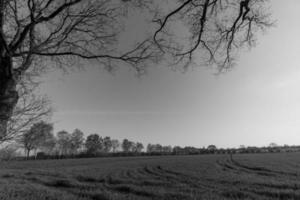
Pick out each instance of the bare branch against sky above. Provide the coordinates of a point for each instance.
(36, 35)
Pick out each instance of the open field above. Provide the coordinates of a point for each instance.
(248, 176)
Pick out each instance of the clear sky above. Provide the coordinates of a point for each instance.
(256, 103)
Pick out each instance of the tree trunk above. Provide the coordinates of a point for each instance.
(28, 153)
(8, 94)
(35, 154)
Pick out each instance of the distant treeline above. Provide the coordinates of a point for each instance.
(40, 143)
(159, 150)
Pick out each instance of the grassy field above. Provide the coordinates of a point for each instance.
(248, 176)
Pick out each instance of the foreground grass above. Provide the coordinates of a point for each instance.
(253, 176)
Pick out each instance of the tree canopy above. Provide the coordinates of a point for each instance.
(36, 136)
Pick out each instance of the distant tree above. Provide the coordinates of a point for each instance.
(167, 149)
(126, 145)
(211, 147)
(77, 140)
(64, 142)
(44, 133)
(190, 150)
(132, 146)
(27, 142)
(94, 144)
(49, 145)
(115, 144)
(157, 148)
(107, 144)
(149, 148)
(36, 136)
(139, 147)
(177, 150)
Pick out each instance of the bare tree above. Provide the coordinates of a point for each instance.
(64, 142)
(29, 110)
(39, 33)
(77, 140)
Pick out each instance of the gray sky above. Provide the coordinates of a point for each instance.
(257, 103)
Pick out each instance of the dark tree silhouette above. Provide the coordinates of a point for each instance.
(36, 136)
(107, 144)
(139, 147)
(39, 33)
(94, 144)
(77, 140)
(126, 145)
(64, 141)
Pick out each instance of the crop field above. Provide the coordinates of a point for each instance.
(247, 176)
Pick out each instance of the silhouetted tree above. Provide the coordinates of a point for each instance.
(190, 150)
(126, 145)
(139, 147)
(177, 150)
(94, 144)
(167, 149)
(149, 148)
(77, 140)
(212, 147)
(132, 146)
(36, 136)
(154, 148)
(64, 142)
(107, 144)
(49, 145)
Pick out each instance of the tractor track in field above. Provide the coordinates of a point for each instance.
(235, 166)
(228, 165)
(149, 181)
(265, 189)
